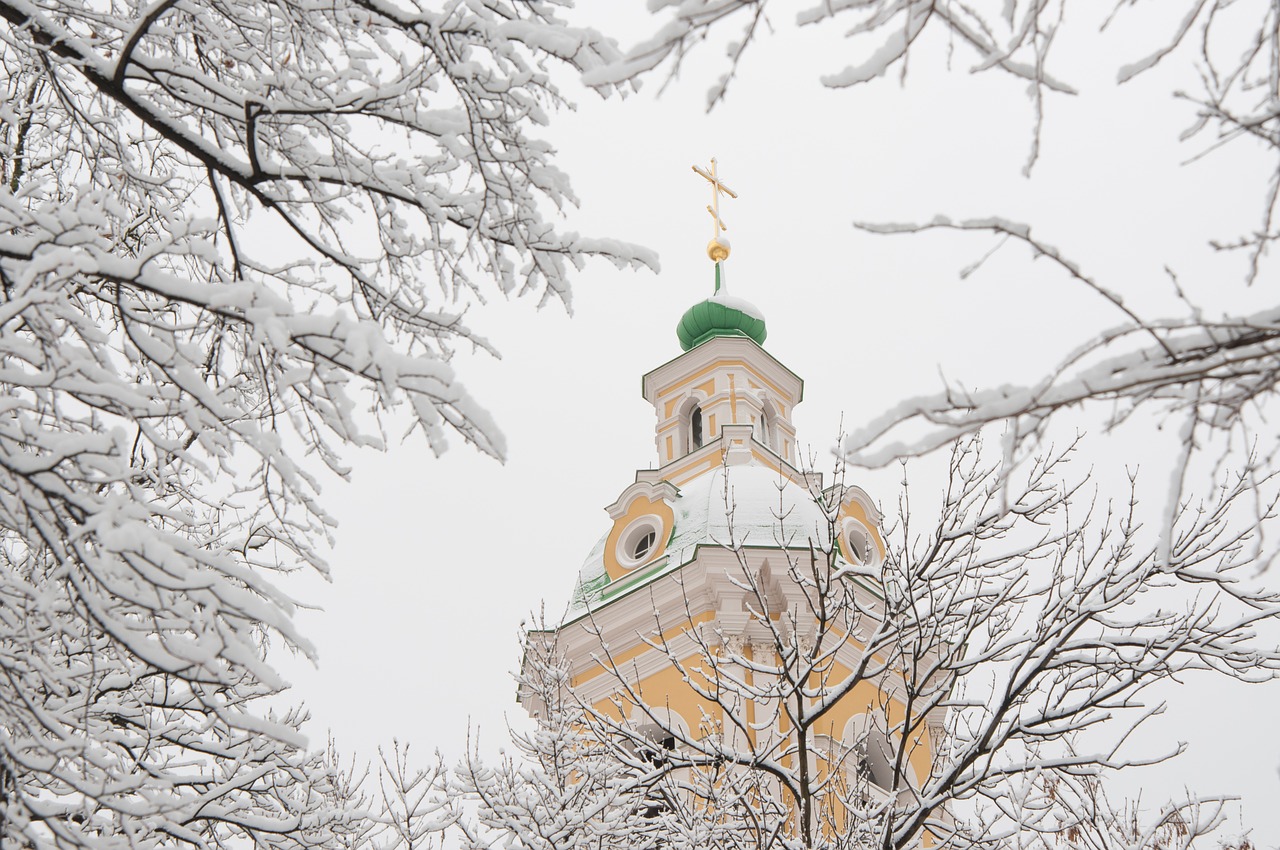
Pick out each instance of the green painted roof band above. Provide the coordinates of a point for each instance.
(663, 567)
(712, 334)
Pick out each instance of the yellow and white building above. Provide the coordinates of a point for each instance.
(702, 574)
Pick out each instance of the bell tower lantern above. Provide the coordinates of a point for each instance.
(725, 377)
(726, 380)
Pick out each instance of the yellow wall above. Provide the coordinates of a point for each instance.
(640, 506)
(667, 689)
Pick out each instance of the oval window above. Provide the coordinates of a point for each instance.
(856, 544)
(639, 541)
(644, 545)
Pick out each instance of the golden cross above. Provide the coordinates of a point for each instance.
(716, 188)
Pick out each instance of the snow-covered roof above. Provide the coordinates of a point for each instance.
(759, 507)
(720, 315)
(740, 304)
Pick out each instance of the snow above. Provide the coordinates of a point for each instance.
(892, 49)
(746, 505)
(1128, 72)
(739, 304)
(218, 279)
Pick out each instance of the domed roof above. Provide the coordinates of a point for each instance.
(720, 315)
(768, 509)
(764, 508)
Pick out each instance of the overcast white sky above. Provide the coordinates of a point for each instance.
(439, 560)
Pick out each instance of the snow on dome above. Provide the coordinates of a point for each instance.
(720, 315)
(768, 509)
(740, 304)
(764, 508)
(592, 579)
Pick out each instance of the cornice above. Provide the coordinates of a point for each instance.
(649, 486)
(811, 481)
(732, 349)
(701, 603)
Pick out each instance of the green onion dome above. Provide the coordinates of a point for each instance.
(720, 315)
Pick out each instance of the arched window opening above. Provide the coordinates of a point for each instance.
(691, 433)
(871, 761)
(872, 754)
(858, 549)
(657, 746)
(768, 427)
(659, 749)
(656, 802)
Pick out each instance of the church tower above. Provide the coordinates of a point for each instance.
(726, 620)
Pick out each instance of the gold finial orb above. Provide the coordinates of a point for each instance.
(718, 249)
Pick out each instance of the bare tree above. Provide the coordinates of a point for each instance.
(1206, 369)
(1000, 654)
(231, 235)
(562, 787)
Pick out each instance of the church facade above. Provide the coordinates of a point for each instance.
(727, 620)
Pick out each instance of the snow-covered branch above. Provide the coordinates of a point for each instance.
(232, 235)
(998, 660)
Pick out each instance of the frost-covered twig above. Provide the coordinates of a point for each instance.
(232, 235)
(1025, 618)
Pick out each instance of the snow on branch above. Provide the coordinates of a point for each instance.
(232, 237)
(1014, 38)
(976, 689)
(1217, 368)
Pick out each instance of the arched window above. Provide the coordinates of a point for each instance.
(871, 761)
(872, 752)
(691, 434)
(768, 433)
(659, 730)
(857, 545)
(657, 752)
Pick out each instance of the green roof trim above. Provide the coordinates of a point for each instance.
(635, 579)
(664, 566)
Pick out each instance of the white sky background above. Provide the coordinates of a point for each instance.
(439, 560)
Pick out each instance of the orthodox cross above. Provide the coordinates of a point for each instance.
(717, 187)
